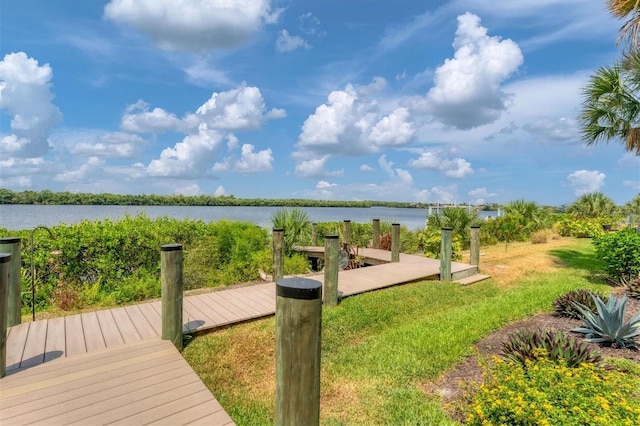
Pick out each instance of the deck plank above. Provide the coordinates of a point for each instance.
(16, 348)
(55, 346)
(125, 325)
(74, 335)
(110, 332)
(202, 304)
(142, 325)
(94, 339)
(34, 347)
(152, 317)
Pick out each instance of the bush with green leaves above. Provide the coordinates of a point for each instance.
(460, 220)
(546, 392)
(620, 252)
(555, 345)
(565, 305)
(508, 228)
(109, 262)
(296, 225)
(579, 227)
(608, 325)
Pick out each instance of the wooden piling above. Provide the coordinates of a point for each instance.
(11, 245)
(331, 268)
(474, 250)
(314, 234)
(172, 292)
(445, 254)
(278, 253)
(5, 266)
(375, 238)
(395, 242)
(346, 237)
(298, 324)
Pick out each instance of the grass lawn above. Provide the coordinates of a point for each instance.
(380, 348)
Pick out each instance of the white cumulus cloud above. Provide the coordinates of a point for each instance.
(586, 181)
(467, 91)
(350, 123)
(479, 195)
(241, 108)
(315, 168)
(457, 168)
(109, 145)
(194, 25)
(138, 119)
(190, 158)
(25, 95)
(249, 161)
(288, 43)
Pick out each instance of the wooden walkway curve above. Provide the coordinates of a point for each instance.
(122, 329)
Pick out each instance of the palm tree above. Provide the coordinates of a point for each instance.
(534, 215)
(627, 9)
(611, 104)
(593, 205)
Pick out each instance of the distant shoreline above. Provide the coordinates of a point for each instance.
(68, 198)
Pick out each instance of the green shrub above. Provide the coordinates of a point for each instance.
(579, 228)
(430, 244)
(557, 346)
(565, 305)
(620, 252)
(550, 393)
(608, 325)
(458, 219)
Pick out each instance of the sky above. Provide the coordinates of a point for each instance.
(466, 101)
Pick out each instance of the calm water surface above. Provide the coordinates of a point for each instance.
(16, 216)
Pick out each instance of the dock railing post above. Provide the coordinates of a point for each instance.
(375, 238)
(11, 245)
(474, 249)
(298, 323)
(172, 292)
(445, 254)
(314, 234)
(278, 253)
(331, 267)
(395, 242)
(346, 231)
(5, 266)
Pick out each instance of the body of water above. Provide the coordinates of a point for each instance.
(19, 216)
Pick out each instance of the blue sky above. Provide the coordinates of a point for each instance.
(457, 101)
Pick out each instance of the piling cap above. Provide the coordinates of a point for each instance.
(299, 288)
(9, 240)
(171, 247)
(5, 257)
(447, 229)
(475, 226)
(332, 236)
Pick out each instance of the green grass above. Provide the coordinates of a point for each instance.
(379, 348)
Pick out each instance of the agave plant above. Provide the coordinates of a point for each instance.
(607, 325)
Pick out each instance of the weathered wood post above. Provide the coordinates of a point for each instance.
(278, 253)
(314, 234)
(474, 249)
(5, 266)
(331, 267)
(298, 323)
(375, 238)
(395, 242)
(346, 232)
(172, 289)
(11, 245)
(445, 254)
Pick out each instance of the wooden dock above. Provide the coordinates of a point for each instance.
(126, 331)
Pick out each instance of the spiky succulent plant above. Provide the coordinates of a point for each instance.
(565, 305)
(607, 325)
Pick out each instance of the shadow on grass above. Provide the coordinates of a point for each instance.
(586, 261)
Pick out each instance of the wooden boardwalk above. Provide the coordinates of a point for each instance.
(146, 382)
(111, 344)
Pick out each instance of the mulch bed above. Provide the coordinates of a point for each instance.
(452, 386)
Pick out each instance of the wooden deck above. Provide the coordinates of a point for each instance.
(142, 383)
(121, 345)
